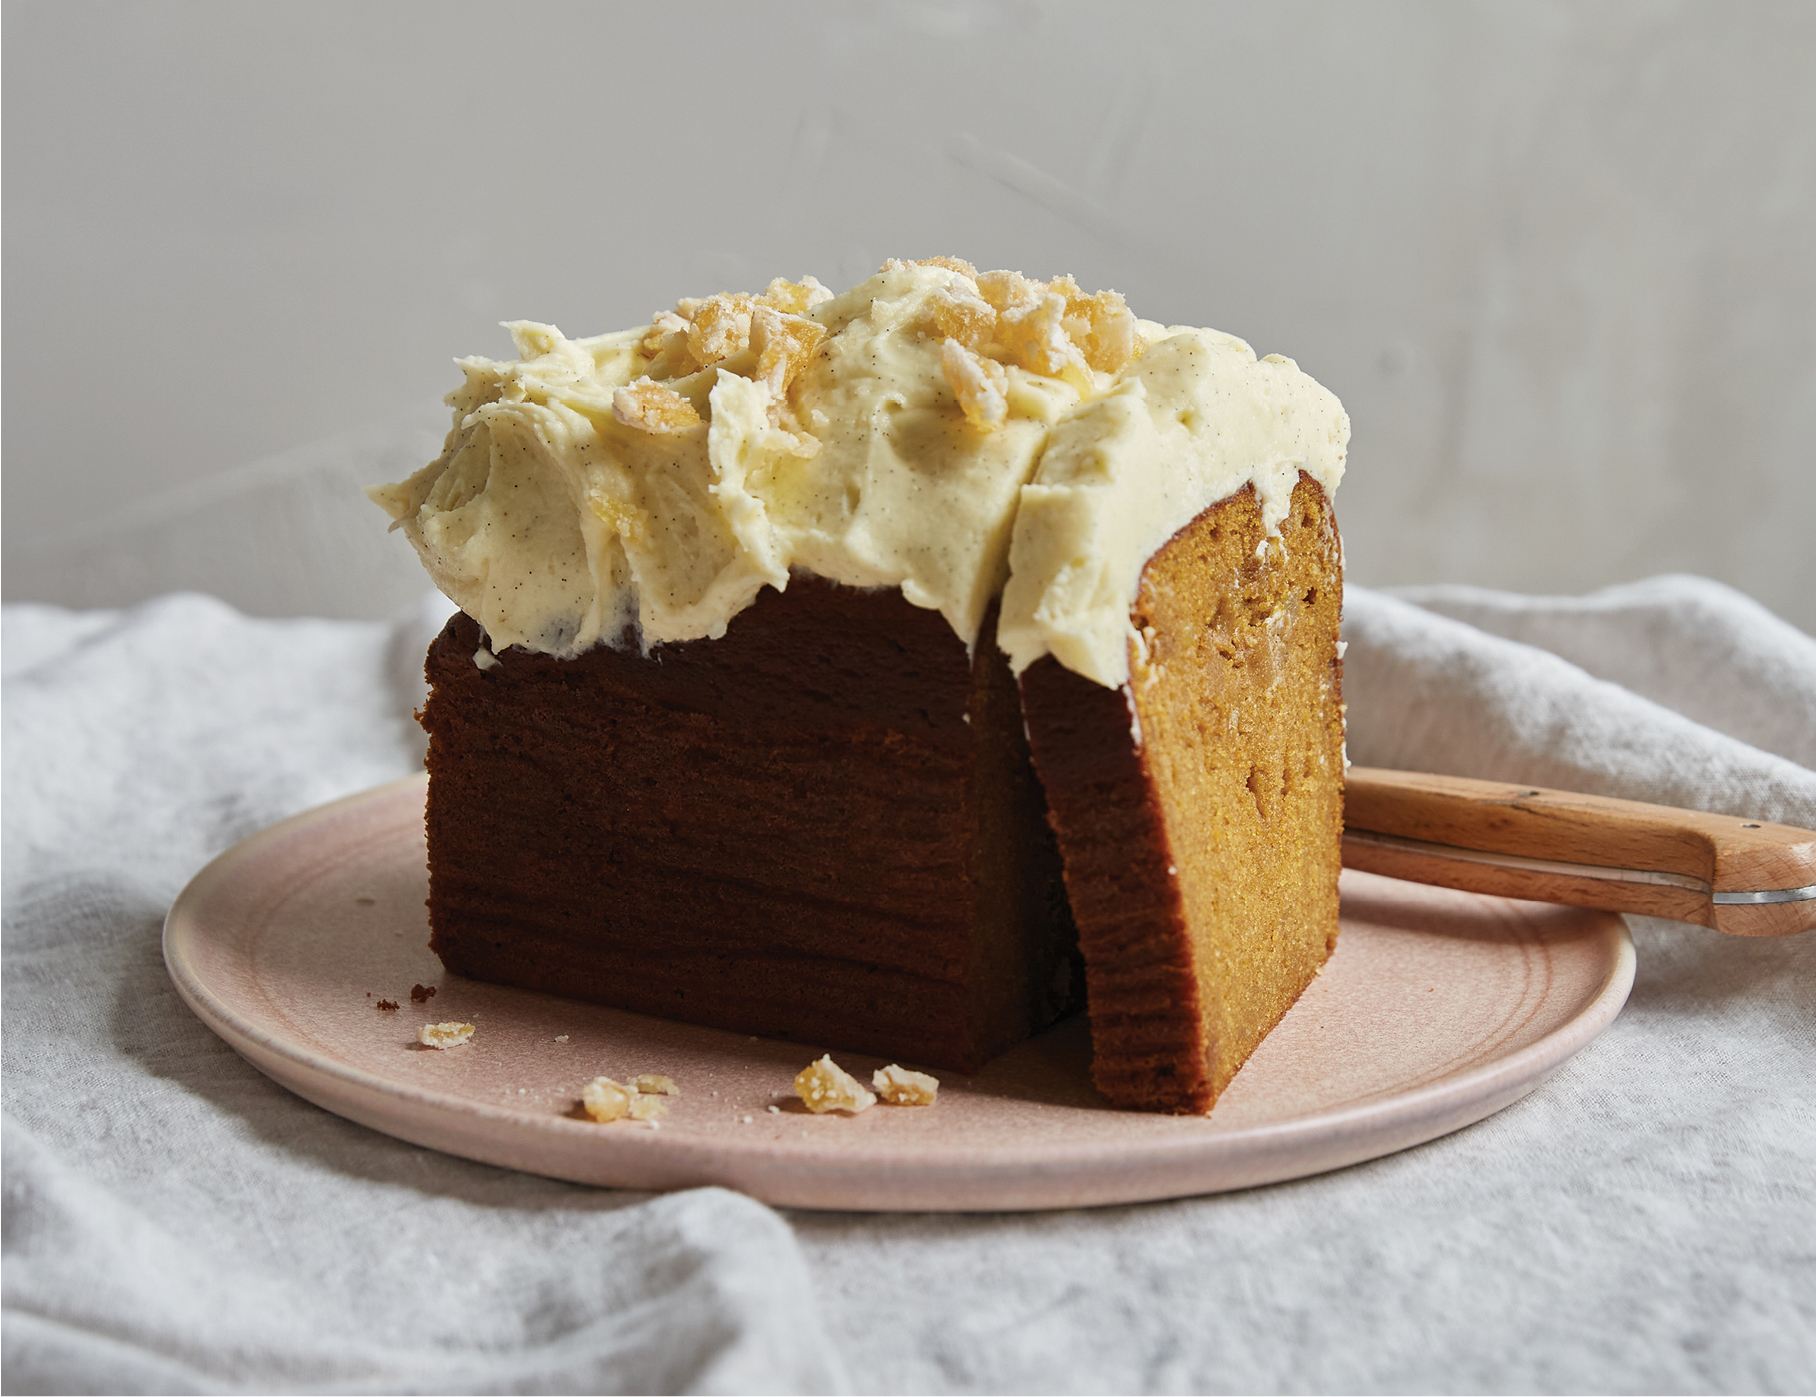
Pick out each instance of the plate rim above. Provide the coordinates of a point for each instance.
(1350, 1131)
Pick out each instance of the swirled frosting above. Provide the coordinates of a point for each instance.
(959, 435)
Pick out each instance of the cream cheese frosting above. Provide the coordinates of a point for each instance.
(1195, 420)
(959, 435)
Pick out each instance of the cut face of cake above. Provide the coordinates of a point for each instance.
(764, 604)
(1200, 809)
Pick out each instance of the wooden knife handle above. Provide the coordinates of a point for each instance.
(1744, 877)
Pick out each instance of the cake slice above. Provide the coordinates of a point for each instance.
(1200, 807)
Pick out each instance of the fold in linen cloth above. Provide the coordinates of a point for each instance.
(174, 1221)
(1676, 690)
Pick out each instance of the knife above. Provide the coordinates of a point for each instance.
(1743, 877)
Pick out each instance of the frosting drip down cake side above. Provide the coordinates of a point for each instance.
(764, 604)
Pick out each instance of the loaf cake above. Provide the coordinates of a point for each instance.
(891, 671)
(820, 826)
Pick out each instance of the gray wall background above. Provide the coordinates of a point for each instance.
(1559, 261)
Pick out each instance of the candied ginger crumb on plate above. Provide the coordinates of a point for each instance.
(605, 1100)
(825, 1086)
(641, 1100)
(900, 1087)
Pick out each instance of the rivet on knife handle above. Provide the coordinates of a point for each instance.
(1744, 877)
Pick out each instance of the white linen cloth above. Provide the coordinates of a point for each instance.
(175, 1221)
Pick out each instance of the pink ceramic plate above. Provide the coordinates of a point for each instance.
(1439, 1008)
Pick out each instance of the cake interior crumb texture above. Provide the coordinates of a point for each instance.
(1202, 860)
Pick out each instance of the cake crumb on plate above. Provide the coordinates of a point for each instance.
(655, 1084)
(441, 1035)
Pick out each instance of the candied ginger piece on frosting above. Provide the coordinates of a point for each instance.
(785, 346)
(661, 337)
(1102, 326)
(721, 327)
(959, 313)
(1006, 290)
(1034, 332)
(901, 1087)
(795, 297)
(981, 385)
(951, 264)
(653, 407)
(825, 1086)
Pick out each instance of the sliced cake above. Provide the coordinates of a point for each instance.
(763, 602)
